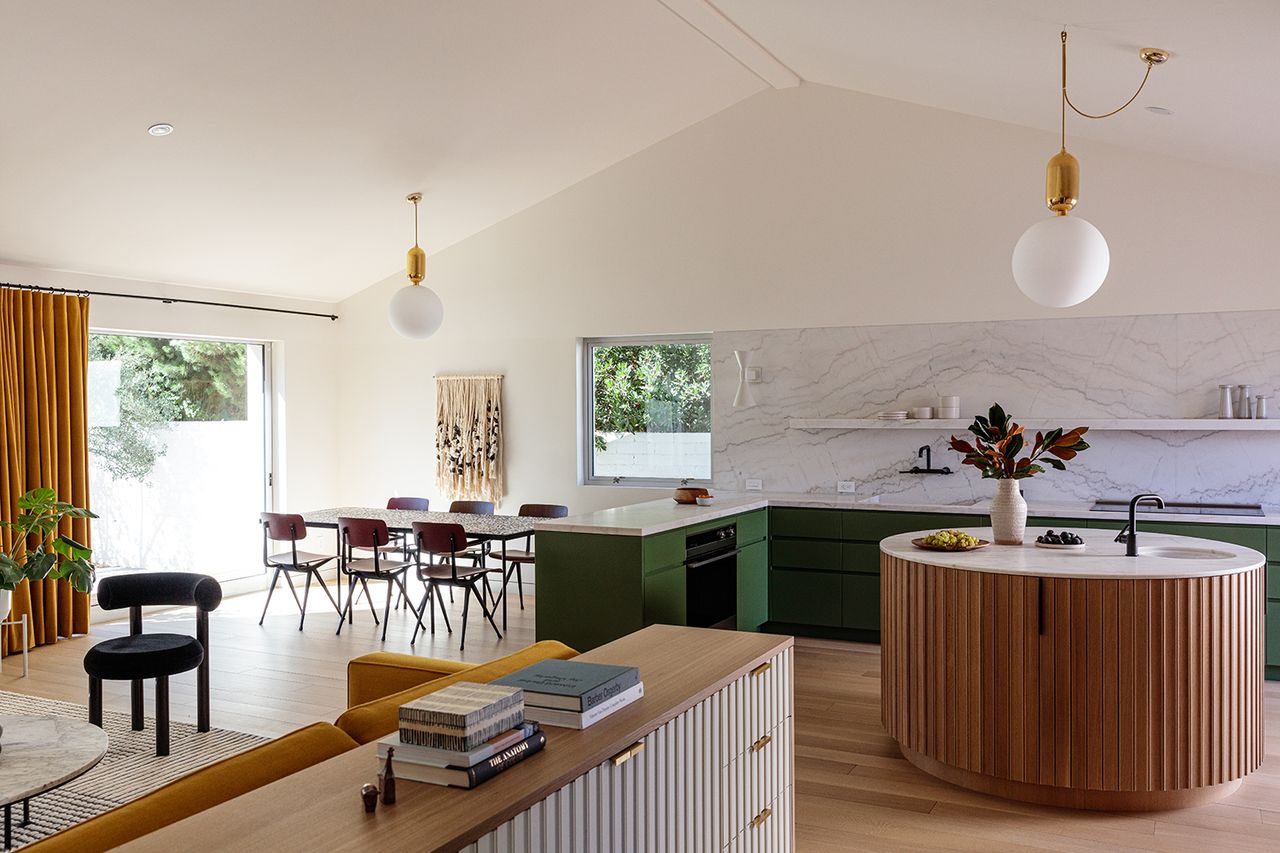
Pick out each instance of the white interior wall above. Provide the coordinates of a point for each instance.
(305, 364)
(796, 208)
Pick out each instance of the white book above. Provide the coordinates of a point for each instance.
(581, 720)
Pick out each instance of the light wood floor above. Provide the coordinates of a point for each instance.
(854, 791)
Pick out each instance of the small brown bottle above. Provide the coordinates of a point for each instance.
(387, 779)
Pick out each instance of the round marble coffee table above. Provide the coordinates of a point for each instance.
(39, 753)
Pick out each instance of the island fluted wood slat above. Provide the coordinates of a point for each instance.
(1106, 693)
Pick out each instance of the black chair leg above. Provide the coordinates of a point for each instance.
(162, 715)
(306, 595)
(386, 613)
(489, 614)
(288, 579)
(364, 587)
(324, 586)
(95, 701)
(520, 585)
(466, 603)
(345, 612)
(444, 614)
(135, 705)
(275, 578)
(417, 614)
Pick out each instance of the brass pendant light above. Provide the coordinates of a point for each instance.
(1060, 262)
(415, 311)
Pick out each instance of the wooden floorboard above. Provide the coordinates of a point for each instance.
(853, 788)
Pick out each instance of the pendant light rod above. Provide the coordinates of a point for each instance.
(1152, 56)
(167, 300)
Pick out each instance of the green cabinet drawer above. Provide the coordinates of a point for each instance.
(1273, 634)
(1273, 543)
(861, 600)
(662, 550)
(874, 525)
(805, 598)
(1058, 524)
(805, 523)
(1273, 581)
(862, 557)
(753, 586)
(820, 554)
(752, 526)
(664, 597)
(1237, 534)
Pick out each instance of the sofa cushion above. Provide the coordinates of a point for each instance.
(381, 717)
(380, 674)
(201, 790)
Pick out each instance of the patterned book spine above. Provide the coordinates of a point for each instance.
(456, 738)
(412, 713)
(491, 767)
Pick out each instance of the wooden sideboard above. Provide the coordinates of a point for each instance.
(703, 762)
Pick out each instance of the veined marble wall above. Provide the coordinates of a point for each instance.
(1068, 369)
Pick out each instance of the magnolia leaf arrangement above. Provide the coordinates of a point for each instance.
(53, 554)
(999, 441)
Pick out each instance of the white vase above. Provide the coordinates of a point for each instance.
(1008, 513)
(6, 601)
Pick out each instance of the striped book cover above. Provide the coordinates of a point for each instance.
(461, 716)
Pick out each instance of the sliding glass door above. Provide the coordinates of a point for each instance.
(179, 453)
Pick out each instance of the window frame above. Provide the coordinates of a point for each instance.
(587, 409)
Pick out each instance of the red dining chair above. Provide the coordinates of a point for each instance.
(517, 557)
(284, 527)
(368, 534)
(443, 544)
(477, 551)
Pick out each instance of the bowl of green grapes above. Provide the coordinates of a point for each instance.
(950, 540)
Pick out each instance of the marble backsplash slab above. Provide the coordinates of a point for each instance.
(1162, 366)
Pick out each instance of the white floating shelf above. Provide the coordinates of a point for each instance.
(1130, 424)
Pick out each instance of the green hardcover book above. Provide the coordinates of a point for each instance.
(570, 685)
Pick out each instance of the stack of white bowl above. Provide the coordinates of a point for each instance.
(948, 407)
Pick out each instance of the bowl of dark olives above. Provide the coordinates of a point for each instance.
(1063, 540)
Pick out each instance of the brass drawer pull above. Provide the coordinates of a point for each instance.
(761, 669)
(761, 743)
(761, 818)
(628, 754)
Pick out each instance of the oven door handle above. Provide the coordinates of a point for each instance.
(697, 564)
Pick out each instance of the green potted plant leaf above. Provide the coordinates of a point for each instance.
(998, 452)
(38, 551)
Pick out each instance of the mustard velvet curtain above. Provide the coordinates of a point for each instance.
(44, 359)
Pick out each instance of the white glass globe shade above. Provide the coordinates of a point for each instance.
(1061, 261)
(415, 311)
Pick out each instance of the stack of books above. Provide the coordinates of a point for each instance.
(573, 694)
(462, 735)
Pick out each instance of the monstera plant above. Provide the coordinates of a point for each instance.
(38, 551)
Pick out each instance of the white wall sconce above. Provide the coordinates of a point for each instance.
(747, 376)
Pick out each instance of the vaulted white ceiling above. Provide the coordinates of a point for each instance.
(301, 124)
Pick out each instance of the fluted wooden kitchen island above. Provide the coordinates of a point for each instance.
(1077, 678)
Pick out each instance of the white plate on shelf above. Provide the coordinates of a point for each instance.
(1053, 547)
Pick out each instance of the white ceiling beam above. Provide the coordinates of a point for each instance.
(729, 37)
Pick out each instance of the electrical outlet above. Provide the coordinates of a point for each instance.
(755, 485)
(846, 487)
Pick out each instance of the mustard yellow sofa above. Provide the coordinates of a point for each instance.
(377, 685)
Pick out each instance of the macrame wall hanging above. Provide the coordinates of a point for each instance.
(469, 437)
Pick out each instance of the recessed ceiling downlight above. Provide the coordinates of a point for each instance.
(160, 129)
(1160, 111)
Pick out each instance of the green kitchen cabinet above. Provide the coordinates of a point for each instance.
(861, 557)
(753, 586)
(664, 596)
(1273, 640)
(801, 597)
(805, 523)
(870, 525)
(860, 596)
(818, 554)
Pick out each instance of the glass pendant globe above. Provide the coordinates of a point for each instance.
(1061, 261)
(415, 312)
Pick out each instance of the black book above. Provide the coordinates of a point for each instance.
(570, 685)
(469, 777)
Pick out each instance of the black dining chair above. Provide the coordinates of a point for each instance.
(368, 534)
(442, 545)
(523, 557)
(284, 527)
(140, 656)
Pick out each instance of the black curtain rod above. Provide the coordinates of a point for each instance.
(168, 300)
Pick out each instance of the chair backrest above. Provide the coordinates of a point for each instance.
(472, 507)
(435, 538)
(143, 589)
(418, 504)
(283, 526)
(543, 511)
(363, 532)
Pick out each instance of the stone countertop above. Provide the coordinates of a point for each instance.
(659, 516)
(1101, 558)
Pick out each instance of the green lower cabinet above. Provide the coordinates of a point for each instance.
(753, 586)
(805, 598)
(861, 557)
(861, 600)
(664, 597)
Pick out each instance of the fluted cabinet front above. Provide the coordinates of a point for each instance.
(1101, 693)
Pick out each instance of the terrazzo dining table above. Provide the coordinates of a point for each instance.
(40, 752)
(479, 528)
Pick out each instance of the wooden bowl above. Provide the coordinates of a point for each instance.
(689, 494)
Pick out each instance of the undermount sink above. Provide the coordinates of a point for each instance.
(1181, 552)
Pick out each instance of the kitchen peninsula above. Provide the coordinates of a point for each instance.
(1077, 678)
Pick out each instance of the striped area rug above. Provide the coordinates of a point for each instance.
(129, 769)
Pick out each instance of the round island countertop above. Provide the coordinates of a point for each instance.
(1160, 556)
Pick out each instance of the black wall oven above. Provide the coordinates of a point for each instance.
(711, 578)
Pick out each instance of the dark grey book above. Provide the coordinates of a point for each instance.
(570, 685)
